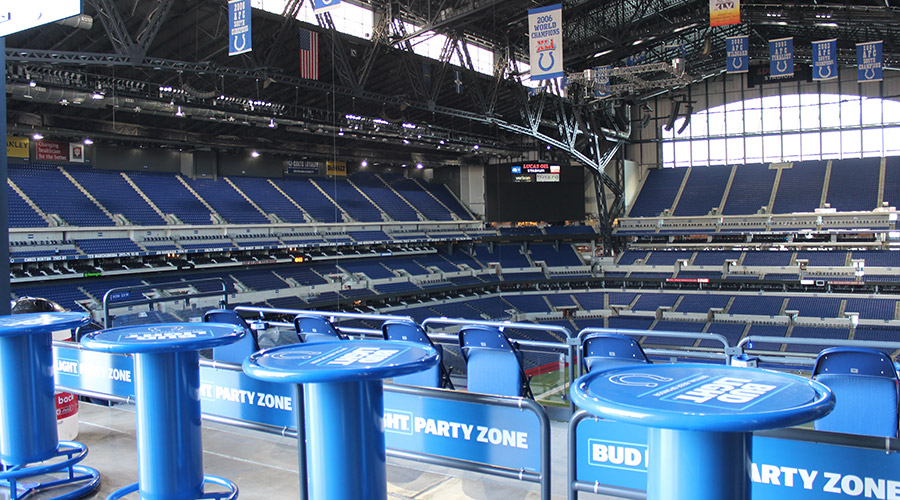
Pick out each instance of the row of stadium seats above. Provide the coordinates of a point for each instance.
(744, 189)
(761, 258)
(85, 197)
(864, 380)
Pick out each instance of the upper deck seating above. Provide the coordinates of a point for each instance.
(800, 188)
(658, 192)
(750, 189)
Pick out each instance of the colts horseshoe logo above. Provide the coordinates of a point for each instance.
(824, 71)
(781, 66)
(638, 379)
(541, 61)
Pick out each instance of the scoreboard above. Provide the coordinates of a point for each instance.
(534, 191)
(535, 172)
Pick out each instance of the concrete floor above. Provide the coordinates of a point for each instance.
(264, 466)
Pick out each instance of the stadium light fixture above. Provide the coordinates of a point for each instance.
(88, 141)
(475, 147)
(254, 154)
(419, 166)
(37, 136)
(364, 164)
(179, 113)
(272, 123)
(32, 83)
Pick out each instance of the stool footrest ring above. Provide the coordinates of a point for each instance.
(76, 481)
(231, 494)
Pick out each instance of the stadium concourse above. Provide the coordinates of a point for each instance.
(683, 196)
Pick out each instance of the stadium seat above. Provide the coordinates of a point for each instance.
(312, 328)
(437, 376)
(604, 351)
(865, 386)
(238, 351)
(493, 362)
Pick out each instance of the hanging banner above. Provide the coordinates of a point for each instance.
(337, 168)
(545, 34)
(737, 57)
(51, 151)
(17, 147)
(724, 12)
(781, 57)
(240, 39)
(825, 60)
(76, 152)
(868, 62)
(320, 6)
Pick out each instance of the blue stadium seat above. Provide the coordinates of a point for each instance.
(493, 363)
(238, 351)
(605, 351)
(437, 376)
(312, 328)
(865, 386)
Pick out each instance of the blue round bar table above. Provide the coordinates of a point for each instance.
(28, 408)
(343, 408)
(166, 386)
(700, 419)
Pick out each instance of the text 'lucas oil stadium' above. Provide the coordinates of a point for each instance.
(365, 249)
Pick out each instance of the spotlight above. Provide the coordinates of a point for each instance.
(442, 141)
(419, 166)
(97, 95)
(32, 83)
(37, 136)
(179, 113)
(364, 164)
(254, 154)
(272, 123)
(88, 141)
(341, 132)
(405, 141)
(475, 147)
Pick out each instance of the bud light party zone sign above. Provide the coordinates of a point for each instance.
(488, 434)
(616, 454)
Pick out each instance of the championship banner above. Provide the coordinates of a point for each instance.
(545, 34)
(781, 57)
(320, 6)
(737, 55)
(17, 147)
(825, 59)
(724, 12)
(868, 62)
(240, 39)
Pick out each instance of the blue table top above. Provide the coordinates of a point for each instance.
(339, 361)
(27, 324)
(702, 397)
(162, 337)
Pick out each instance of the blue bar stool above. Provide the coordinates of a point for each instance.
(700, 419)
(29, 444)
(342, 409)
(167, 383)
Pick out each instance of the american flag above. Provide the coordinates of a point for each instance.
(309, 54)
